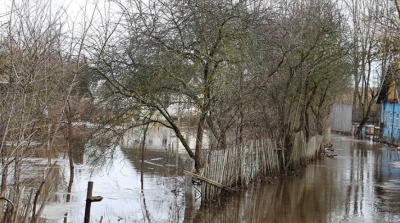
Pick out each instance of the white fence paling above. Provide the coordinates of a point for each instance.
(241, 165)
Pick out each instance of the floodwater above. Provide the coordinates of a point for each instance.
(360, 184)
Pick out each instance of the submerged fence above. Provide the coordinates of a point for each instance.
(239, 166)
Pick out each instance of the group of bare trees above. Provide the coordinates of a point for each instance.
(374, 36)
(250, 69)
(41, 68)
(234, 70)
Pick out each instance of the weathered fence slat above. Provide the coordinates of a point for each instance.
(209, 181)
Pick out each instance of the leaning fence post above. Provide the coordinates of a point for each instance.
(89, 200)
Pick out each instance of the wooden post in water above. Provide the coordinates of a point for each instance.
(89, 200)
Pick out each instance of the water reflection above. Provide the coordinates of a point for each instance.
(361, 184)
(134, 188)
(156, 162)
(159, 137)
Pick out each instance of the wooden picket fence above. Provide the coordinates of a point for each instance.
(240, 166)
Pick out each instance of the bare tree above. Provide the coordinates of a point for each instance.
(314, 71)
(38, 77)
(178, 53)
(367, 55)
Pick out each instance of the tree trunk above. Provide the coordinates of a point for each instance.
(69, 145)
(198, 161)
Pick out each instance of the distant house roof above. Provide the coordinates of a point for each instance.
(389, 88)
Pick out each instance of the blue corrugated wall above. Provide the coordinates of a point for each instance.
(391, 120)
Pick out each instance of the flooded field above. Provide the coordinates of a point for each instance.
(360, 184)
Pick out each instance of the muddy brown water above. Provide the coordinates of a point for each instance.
(360, 184)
